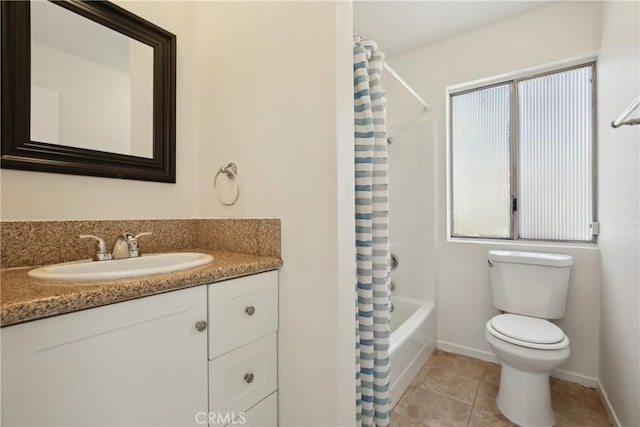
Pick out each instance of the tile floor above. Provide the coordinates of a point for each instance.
(453, 390)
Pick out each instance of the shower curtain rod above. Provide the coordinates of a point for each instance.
(427, 107)
(620, 121)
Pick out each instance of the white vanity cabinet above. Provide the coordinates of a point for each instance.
(243, 314)
(140, 362)
(150, 361)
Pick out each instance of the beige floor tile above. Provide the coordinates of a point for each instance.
(437, 352)
(433, 358)
(398, 420)
(441, 396)
(576, 398)
(404, 422)
(451, 385)
(422, 374)
(491, 373)
(480, 418)
(401, 406)
(486, 397)
(395, 419)
(485, 411)
(461, 365)
(568, 418)
(435, 410)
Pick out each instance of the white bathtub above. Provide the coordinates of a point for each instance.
(412, 341)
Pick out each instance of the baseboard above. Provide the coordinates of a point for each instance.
(575, 378)
(613, 418)
(467, 351)
(490, 357)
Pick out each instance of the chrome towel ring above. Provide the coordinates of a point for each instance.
(231, 170)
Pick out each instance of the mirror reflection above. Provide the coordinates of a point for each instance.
(91, 87)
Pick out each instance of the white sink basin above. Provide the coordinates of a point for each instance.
(121, 268)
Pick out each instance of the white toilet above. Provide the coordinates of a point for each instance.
(529, 288)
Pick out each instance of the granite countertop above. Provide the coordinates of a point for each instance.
(23, 298)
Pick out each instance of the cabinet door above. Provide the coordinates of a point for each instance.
(140, 362)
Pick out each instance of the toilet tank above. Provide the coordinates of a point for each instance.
(530, 283)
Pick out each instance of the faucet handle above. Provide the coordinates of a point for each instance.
(132, 241)
(102, 253)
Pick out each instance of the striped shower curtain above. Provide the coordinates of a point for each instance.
(372, 237)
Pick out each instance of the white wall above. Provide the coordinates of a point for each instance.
(619, 207)
(276, 98)
(267, 85)
(554, 33)
(47, 196)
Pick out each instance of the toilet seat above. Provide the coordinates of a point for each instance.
(527, 332)
(525, 328)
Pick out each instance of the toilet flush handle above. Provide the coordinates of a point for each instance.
(490, 263)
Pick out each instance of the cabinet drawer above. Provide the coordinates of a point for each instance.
(242, 310)
(264, 414)
(240, 379)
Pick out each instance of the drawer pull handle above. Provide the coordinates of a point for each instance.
(201, 326)
(250, 310)
(248, 378)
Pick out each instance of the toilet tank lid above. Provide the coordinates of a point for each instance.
(534, 258)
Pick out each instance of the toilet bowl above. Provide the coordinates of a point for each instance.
(529, 349)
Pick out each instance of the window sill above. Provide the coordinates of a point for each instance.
(527, 243)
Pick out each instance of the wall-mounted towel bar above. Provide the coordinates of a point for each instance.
(621, 120)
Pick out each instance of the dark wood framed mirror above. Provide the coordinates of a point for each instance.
(45, 129)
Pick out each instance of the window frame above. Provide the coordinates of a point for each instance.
(512, 81)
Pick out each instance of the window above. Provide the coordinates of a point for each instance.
(522, 158)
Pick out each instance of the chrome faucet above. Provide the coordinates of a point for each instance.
(125, 246)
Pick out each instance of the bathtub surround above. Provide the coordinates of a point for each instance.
(371, 238)
(32, 243)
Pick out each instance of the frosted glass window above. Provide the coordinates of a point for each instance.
(480, 162)
(555, 133)
(521, 160)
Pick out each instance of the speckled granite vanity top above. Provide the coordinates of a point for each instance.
(239, 246)
(23, 298)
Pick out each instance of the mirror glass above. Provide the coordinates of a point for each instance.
(91, 87)
(88, 88)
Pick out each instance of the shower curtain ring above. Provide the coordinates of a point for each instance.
(231, 171)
